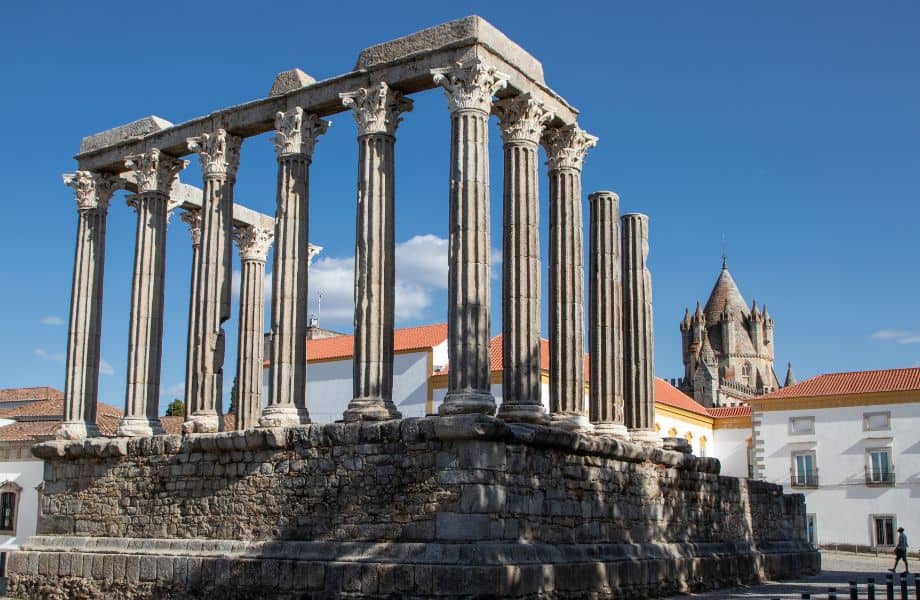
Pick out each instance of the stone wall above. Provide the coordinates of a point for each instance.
(416, 494)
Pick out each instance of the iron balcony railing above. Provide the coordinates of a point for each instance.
(879, 477)
(807, 479)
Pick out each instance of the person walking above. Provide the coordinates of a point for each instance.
(900, 551)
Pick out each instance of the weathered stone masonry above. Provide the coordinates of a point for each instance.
(528, 509)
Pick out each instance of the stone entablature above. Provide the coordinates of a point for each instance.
(414, 494)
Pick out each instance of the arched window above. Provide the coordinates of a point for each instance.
(658, 427)
(672, 432)
(9, 501)
(703, 441)
(746, 373)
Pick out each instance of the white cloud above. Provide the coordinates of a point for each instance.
(898, 336)
(45, 355)
(51, 320)
(105, 368)
(421, 270)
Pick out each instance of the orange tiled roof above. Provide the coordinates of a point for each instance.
(38, 421)
(30, 393)
(667, 394)
(404, 340)
(730, 411)
(855, 382)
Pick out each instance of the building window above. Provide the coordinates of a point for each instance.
(703, 441)
(879, 470)
(746, 373)
(801, 425)
(811, 521)
(804, 472)
(880, 421)
(883, 530)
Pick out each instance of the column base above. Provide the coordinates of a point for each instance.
(646, 437)
(523, 413)
(202, 423)
(77, 430)
(467, 402)
(370, 409)
(138, 427)
(573, 422)
(283, 416)
(614, 430)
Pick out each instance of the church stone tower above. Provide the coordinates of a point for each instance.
(727, 348)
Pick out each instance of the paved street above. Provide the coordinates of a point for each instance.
(838, 568)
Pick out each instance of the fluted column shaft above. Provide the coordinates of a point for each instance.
(192, 218)
(638, 350)
(287, 392)
(155, 174)
(469, 89)
(81, 382)
(521, 123)
(376, 111)
(566, 148)
(605, 317)
(253, 244)
(219, 153)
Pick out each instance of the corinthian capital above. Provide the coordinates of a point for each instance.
(155, 171)
(297, 132)
(566, 146)
(93, 190)
(521, 118)
(219, 153)
(376, 109)
(192, 218)
(253, 242)
(470, 85)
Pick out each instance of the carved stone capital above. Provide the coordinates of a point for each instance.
(219, 153)
(297, 132)
(470, 85)
(566, 147)
(253, 242)
(192, 218)
(155, 171)
(93, 190)
(377, 108)
(521, 118)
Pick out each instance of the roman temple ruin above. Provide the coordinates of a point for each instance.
(478, 500)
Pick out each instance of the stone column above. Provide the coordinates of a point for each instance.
(192, 218)
(220, 154)
(376, 111)
(81, 379)
(155, 173)
(294, 141)
(639, 379)
(469, 88)
(253, 243)
(605, 317)
(565, 150)
(521, 120)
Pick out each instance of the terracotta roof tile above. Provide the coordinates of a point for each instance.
(667, 394)
(30, 393)
(730, 411)
(404, 340)
(856, 382)
(39, 421)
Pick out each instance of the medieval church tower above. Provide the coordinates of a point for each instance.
(727, 348)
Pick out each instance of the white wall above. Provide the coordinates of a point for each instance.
(329, 386)
(730, 447)
(842, 503)
(27, 474)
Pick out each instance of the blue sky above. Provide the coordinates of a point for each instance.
(791, 128)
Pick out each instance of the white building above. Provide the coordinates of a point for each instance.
(851, 443)
(420, 384)
(29, 416)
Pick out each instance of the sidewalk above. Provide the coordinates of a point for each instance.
(838, 569)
